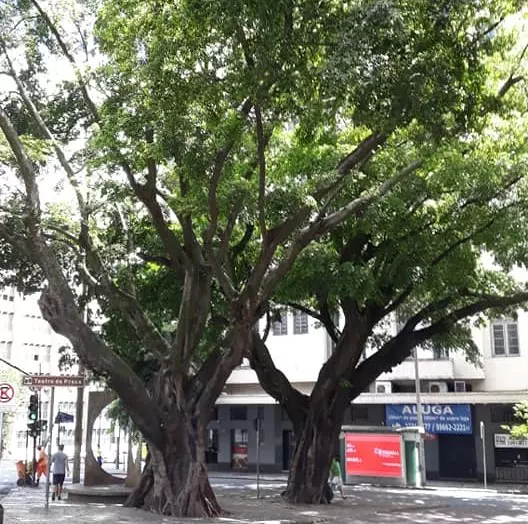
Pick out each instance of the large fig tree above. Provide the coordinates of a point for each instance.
(211, 143)
(433, 259)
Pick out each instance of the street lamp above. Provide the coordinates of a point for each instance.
(421, 480)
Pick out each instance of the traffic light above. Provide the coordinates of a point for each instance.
(33, 408)
(33, 430)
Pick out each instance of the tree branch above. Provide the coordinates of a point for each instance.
(513, 79)
(58, 305)
(327, 224)
(274, 382)
(398, 348)
(47, 133)
(262, 175)
(64, 48)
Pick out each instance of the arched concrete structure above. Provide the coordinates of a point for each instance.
(94, 475)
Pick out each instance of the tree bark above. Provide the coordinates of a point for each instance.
(78, 433)
(175, 480)
(315, 446)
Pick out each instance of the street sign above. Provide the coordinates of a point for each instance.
(6, 393)
(63, 418)
(54, 381)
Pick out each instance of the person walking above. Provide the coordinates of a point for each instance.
(336, 478)
(42, 463)
(59, 462)
(99, 457)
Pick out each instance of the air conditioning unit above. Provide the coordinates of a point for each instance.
(437, 387)
(383, 387)
(460, 386)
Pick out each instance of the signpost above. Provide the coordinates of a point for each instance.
(50, 422)
(51, 381)
(65, 381)
(257, 430)
(483, 438)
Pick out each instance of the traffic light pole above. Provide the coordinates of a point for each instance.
(50, 440)
(34, 472)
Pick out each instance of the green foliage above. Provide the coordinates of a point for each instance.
(520, 428)
(179, 84)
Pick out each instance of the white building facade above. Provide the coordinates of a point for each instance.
(484, 393)
(299, 347)
(28, 342)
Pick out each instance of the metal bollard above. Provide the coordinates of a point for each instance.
(1, 514)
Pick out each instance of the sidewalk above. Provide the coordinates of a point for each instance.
(439, 485)
(364, 504)
(25, 505)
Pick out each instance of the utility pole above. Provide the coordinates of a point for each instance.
(421, 480)
(77, 437)
(118, 438)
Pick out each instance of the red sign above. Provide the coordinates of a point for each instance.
(373, 455)
(6, 392)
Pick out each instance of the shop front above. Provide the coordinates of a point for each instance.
(449, 441)
(511, 458)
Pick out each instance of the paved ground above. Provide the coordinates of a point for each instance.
(364, 505)
(237, 494)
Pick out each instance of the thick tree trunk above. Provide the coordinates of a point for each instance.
(175, 480)
(315, 446)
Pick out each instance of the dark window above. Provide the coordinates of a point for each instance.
(238, 413)
(502, 413)
(359, 413)
(260, 412)
(440, 353)
(280, 326)
(300, 323)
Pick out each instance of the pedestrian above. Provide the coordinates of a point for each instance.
(99, 457)
(59, 461)
(336, 478)
(42, 463)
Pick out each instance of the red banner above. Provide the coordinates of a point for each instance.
(373, 455)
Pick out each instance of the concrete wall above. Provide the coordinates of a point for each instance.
(505, 373)
(300, 357)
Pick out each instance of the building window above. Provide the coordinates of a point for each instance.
(440, 353)
(280, 326)
(238, 413)
(500, 413)
(300, 323)
(505, 336)
(359, 413)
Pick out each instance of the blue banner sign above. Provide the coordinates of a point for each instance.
(447, 419)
